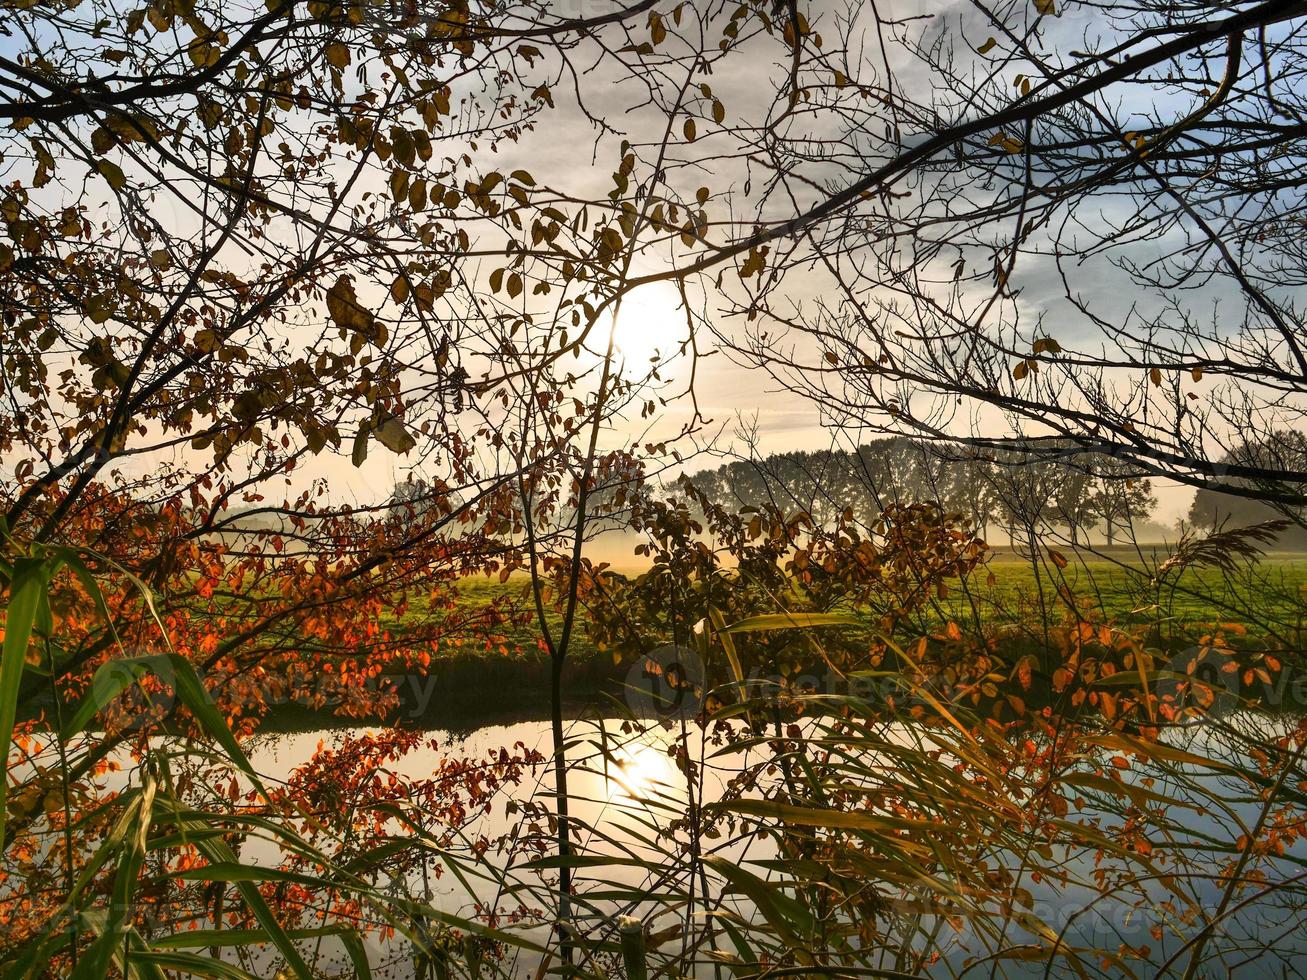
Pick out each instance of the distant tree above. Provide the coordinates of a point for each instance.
(1025, 492)
(1073, 502)
(895, 471)
(953, 475)
(968, 490)
(865, 481)
(1284, 451)
(1119, 496)
(413, 499)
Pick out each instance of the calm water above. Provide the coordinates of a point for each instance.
(625, 789)
(630, 801)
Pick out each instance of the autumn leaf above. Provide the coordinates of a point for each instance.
(102, 140)
(1009, 144)
(337, 55)
(394, 436)
(348, 314)
(359, 454)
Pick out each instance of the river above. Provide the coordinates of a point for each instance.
(626, 790)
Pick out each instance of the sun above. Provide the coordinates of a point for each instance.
(650, 327)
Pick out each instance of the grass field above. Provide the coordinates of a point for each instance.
(499, 669)
(1271, 595)
(1269, 599)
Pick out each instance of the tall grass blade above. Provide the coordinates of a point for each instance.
(25, 590)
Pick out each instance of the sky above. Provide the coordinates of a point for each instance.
(569, 153)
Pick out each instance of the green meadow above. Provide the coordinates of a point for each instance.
(1267, 599)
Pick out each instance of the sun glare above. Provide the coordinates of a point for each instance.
(641, 771)
(650, 325)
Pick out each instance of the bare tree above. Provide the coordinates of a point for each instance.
(1030, 231)
(1120, 497)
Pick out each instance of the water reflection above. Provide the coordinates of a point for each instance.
(630, 800)
(640, 771)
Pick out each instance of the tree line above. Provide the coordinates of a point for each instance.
(1012, 495)
(993, 496)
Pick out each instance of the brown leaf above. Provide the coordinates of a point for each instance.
(337, 55)
(360, 453)
(347, 313)
(394, 436)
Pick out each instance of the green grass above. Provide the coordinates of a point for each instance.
(516, 635)
(1269, 599)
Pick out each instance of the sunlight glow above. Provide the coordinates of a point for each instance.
(650, 325)
(641, 771)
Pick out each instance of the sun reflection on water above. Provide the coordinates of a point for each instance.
(639, 772)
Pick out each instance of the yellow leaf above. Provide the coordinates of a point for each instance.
(360, 454)
(337, 55)
(202, 53)
(417, 195)
(113, 174)
(348, 314)
(405, 148)
(394, 436)
(100, 307)
(102, 140)
(399, 184)
(44, 164)
(689, 130)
